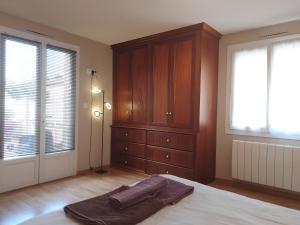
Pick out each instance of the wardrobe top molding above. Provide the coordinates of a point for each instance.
(168, 34)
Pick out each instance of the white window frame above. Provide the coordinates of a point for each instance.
(230, 80)
(44, 42)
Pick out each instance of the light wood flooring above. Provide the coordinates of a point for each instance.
(18, 206)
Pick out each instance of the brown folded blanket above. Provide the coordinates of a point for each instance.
(146, 189)
(99, 210)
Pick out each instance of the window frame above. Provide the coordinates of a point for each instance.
(230, 87)
(44, 41)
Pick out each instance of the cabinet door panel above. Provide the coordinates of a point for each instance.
(182, 88)
(159, 84)
(121, 87)
(139, 68)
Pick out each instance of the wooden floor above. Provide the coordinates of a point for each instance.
(18, 206)
(21, 205)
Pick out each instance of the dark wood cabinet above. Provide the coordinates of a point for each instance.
(170, 156)
(129, 135)
(121, 87)
(159, 84)
(181, 85)
(139, 72)
(165, 96)
(172, 83)
(171, 140)
(130, 83)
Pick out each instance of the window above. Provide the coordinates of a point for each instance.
(20, 97)
(265, 93)
(60, 99)
(36, 102)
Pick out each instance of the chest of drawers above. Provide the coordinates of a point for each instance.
(153, 151)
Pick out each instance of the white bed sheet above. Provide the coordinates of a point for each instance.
(206, 206)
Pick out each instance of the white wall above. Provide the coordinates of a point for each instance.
(224, 140)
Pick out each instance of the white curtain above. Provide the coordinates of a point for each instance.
(249, 69)
(284, 105)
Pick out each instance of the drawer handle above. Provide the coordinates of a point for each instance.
(167, 156)
(167, 140)
(126, 148)
(167, 171)
(125, 162)
(126, 134)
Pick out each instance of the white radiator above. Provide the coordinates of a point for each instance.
(268, 164)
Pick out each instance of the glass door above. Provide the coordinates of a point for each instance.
(19, 112)
(37, 112)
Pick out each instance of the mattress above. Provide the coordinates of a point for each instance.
(206, 206)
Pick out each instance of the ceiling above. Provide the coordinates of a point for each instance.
(114, 21)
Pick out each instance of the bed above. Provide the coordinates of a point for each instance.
(206, 206)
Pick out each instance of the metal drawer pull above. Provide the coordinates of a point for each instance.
(126, 148)
(167, 140)
(167, 156)
(125, 162)
(167, 172)
(167, 113)
(126, 134)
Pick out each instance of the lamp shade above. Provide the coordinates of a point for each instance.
(97, 114)
(108, 105)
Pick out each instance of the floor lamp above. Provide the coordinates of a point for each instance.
(98, 114)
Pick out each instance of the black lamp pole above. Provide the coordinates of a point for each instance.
(101, 170)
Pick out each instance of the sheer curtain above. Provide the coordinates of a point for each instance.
(249, 69)
(284, 106)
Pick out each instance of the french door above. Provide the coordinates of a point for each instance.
(37, 112)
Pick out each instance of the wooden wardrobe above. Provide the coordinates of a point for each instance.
(165, 103)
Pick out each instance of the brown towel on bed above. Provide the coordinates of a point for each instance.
(100, 211)
(146, 189)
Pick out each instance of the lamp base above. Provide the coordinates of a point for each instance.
(101, 171)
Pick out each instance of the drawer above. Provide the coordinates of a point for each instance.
(128, 161)
(160, 168)
(129, 134)
(131, 149)
(171, 140)
(170, 156)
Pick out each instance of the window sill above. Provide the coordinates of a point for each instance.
(231, 131)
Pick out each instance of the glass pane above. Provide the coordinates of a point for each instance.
(21, 98)
(285, 92)
(60, 100)
(250, 79)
